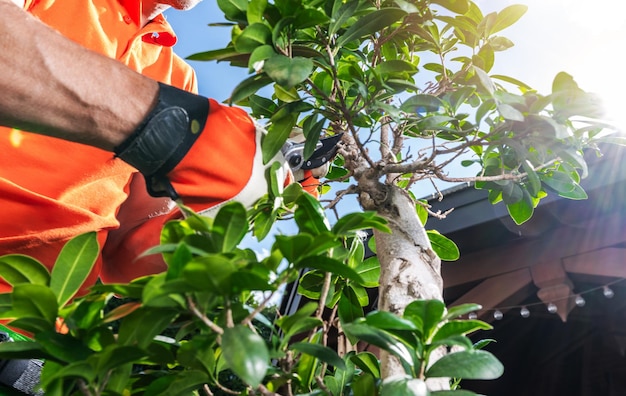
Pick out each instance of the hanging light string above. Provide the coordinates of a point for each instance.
(551, 306)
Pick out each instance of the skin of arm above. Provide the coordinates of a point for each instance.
(52, 85)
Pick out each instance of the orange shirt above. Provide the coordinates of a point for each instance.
(52, 190)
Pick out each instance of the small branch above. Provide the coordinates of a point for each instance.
(226, 390)
(82, 386)
(340, 194)
(207, 390)
(266, 392)
(323, 295)
(323, 387)
(229, 315)
(192, 307)
(504, 176)
(257, 310)
(438, 214)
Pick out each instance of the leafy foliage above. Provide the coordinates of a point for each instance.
(181, 331)
(414, 78)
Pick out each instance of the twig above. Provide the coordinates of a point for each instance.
(257, 310)
(192, 307)
(324, 295)
(226, 390)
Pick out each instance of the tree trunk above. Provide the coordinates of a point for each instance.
(410, 269)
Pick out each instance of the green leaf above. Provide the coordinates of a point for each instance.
(458, 6)
(255, 10)
(507, 17)
(277, 134)
(521, 210)
(370, 24)
(342, 11)
(418, 104)
(312, 129)
(459, 310)
(88, 313)
(369, 271)
(212, 271)
(387, 321)
(288, 72)
(364, 385)
(380, 339)
(230, 226)
(63, 346)
(220, 55)
(234, 10)
(577, 193)
(533, 184)
(253, 36)
(327, 264)
(286, 95)
(472, 364)
(142, 325)
(575, 158)
(310, 284)
(180, 383)
(307, 366)
(510, 113)
(310, 216)
(512, 81)
(499, 43)
(309, 17)
(249, 86)
(321, 352)
(443, 246)
(512, 192)
(260, 54)
(21, 350)
(300, 321)
(261, 107)
(198, 353)
(17, 268)
(368, 362)
(395, 66)
(485, 81)
(293, 246)
(404, 386)
(426, 314)
(559, 181)
(73, 265)
(349, 308)
(36, 301)
(460, 327)
(359, 221)
(73, 370)
(246, 354)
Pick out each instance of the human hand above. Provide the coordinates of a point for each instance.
(197, 151)
(193, 149)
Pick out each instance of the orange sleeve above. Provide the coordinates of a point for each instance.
(141, 220)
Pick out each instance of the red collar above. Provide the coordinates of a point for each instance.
(157, 31)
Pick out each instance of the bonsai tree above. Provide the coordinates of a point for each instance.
(407, 86)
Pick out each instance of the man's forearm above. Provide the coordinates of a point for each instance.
(53, 86)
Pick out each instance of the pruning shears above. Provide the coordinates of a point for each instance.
(325, 150)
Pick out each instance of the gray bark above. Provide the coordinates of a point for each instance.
(410, 269)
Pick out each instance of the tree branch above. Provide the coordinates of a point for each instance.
(194, 309)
